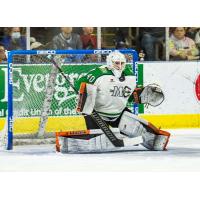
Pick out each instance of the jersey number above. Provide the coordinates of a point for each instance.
(90, 78)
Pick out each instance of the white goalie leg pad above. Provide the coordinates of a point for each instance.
(130, 126)
(153, 138)
(160, 142)
(155, 142)
(63, 145)
(96, 144)
(87, 96)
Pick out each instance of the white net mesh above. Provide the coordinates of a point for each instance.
(43, 101)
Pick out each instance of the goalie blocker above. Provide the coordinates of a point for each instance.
(86, 101)
(129, 124)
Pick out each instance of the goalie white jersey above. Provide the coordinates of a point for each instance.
(112, 93)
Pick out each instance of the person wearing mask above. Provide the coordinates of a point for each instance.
(14, 40)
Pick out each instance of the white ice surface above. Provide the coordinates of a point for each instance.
(183, 155)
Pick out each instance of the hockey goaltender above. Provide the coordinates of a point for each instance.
(106, 90)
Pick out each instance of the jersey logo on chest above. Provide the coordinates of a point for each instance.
(120, 91)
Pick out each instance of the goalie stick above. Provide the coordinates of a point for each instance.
(48, 98)
(96, 117)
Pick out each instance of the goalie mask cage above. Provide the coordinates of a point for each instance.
(40, 101)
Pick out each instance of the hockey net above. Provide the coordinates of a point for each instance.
(41, 100)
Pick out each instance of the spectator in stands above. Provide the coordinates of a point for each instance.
(197, 39)
(191, 32)
(66, 39)
(182, 47)
(150, 36)
(121, 38)
(3, 57)
(121, 45)
(14, 40)
(88, 39)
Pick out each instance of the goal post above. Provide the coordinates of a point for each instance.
(39, 99)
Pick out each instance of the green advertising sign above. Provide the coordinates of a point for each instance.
(29, 89)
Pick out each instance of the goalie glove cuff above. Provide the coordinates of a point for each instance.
(136, 94)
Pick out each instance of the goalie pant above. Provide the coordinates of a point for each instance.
(129, 125)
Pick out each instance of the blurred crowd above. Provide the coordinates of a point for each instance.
(182, 43)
